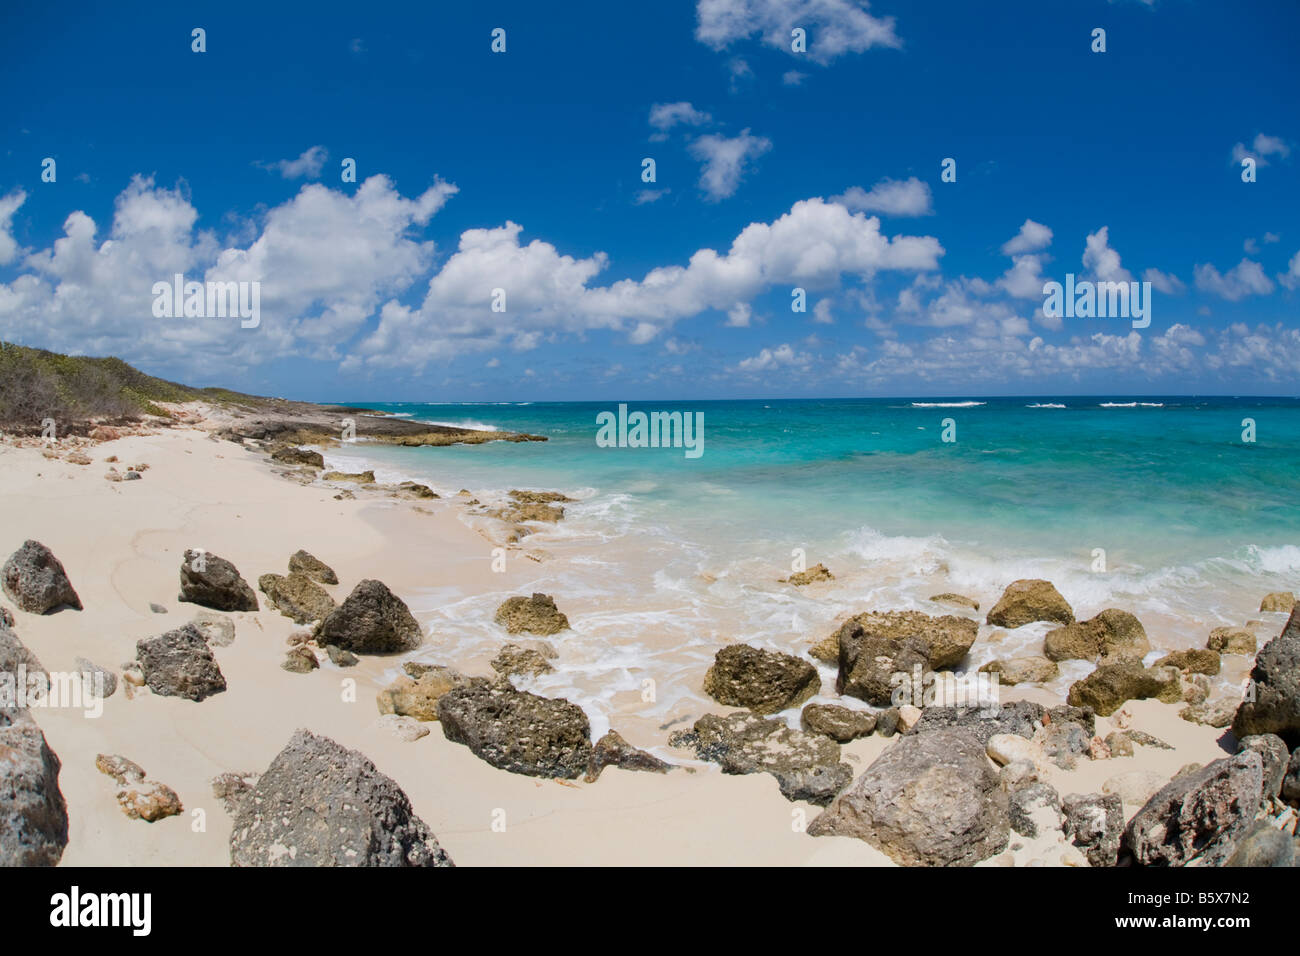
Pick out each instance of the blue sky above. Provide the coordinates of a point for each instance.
(774, 170)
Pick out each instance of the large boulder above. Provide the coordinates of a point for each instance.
(373, 620)
(929, 800)
(1107, 688)
(33, 815)
(1029, 600)
(806, 766)
(320, 804)
(296, 596)
(303, 562)
(1196, 660)
(1198, 815)
(537, 615)
(1274, 757)
(292, 455)
(179, 663)
(877, 646)
(517, 731)
(35, 580)
(1278, 601)
(836, 722)
(1112, 633)
(213, 582)
(1275, 680)
(1232, 640)
(760, 680)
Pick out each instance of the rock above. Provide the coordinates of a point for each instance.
(1198, 660)
(515, 659)
(956, 600)
(297, 597)
(1062, 741)
(406, 729)
(418, 697)
(215, 583)
(412, 489)
(157, 608)
(1023, 670)
(836, 722)
(372, 620)
(16, 660)
(1199, 815)
(139, 799)
(1030, 600)
(1134, 787)
(827, 649)
(99, 680)
(908, 717)
(1274, 757)
(362, 477)
(760, 680)
(537, 614)
(806, 766)
(1107, 688)
(875, 646)
(1095, 824)
(1211, 713)
(929, 800)
(1119, 744)
(1195, 688)
(1291, 782)
(300, 660)
(290, 455)
(33, 814)
(1112, 633)
(1017, 774)
(320, 804)
(1034, 807)
(818, 572)
(1004, 749)
(517, 731)
(887, 722)
(1017, 717)
(34, 579)
(1275, 678)
(1232, 640)
(339, 657)
(1263, 845)
(1143, 739)
(1278, 601)
(179, 663)
(301, 562)
(612, 750)
(217, 629)
(232, 788)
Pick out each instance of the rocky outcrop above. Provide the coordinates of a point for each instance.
(806, 766)
(612, 750)
(296, 596)
(1111, 634)
(517, 731)
(760, 680)
(33, 814)
(1029, 600)
(302, 562)
(139, 799)
(372, 620)
(1095, 824)
(1107, 688)
(215, 583)
(361, 477)
(536, 615)
(1275, 681)
(34, 579)
(836, 722)
(1023, 670)
(320, 804)
(1197, 660)
(929, 800)
(1198, 815)
(875, 646)
(179, 663)
(1232, 640)
(1282, 601)
(292, 455)
(815, 574)
(418, 697)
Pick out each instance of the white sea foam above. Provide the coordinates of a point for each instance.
(947, 404)
(1045, 405)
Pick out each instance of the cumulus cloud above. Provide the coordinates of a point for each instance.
(834, 27)
(306, 166)
(1032, 237)
(664, 116)
(1263, 146)
(724, 161)
(1290, 278)
(783, 356)
(1245, 278)
(890, 197)
(8, 206)
(1103, 261)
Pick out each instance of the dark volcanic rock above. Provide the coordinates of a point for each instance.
(517, 731)
(292, 455)
(179, 663)
(1016, 717)
(35, 580)
(372, 620)
(320, 804)
(1276, 685)
(316, 569)
(612, 750)
(1274, 756)
(33, 815)
(762, 681)
(214, 582)
(1095, 824)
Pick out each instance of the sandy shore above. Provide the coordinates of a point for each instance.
(121, 544)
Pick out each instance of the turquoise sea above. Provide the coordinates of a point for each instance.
(1196, 525)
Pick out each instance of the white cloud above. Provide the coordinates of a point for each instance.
(1024, 280)
(646, 196)
(739, 315)
(783, 356)
(1290, 278)
(725, 160)
(1245, 278)
(891, 197)
(1263, 146)
(822, 312)
(306, 166)
(834, 27)
(1164, 282)
(793, 77)
(1102, 260)
(664, 116)
(1032, 237)
(8, 244)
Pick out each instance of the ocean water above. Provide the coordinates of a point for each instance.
(668, 557)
